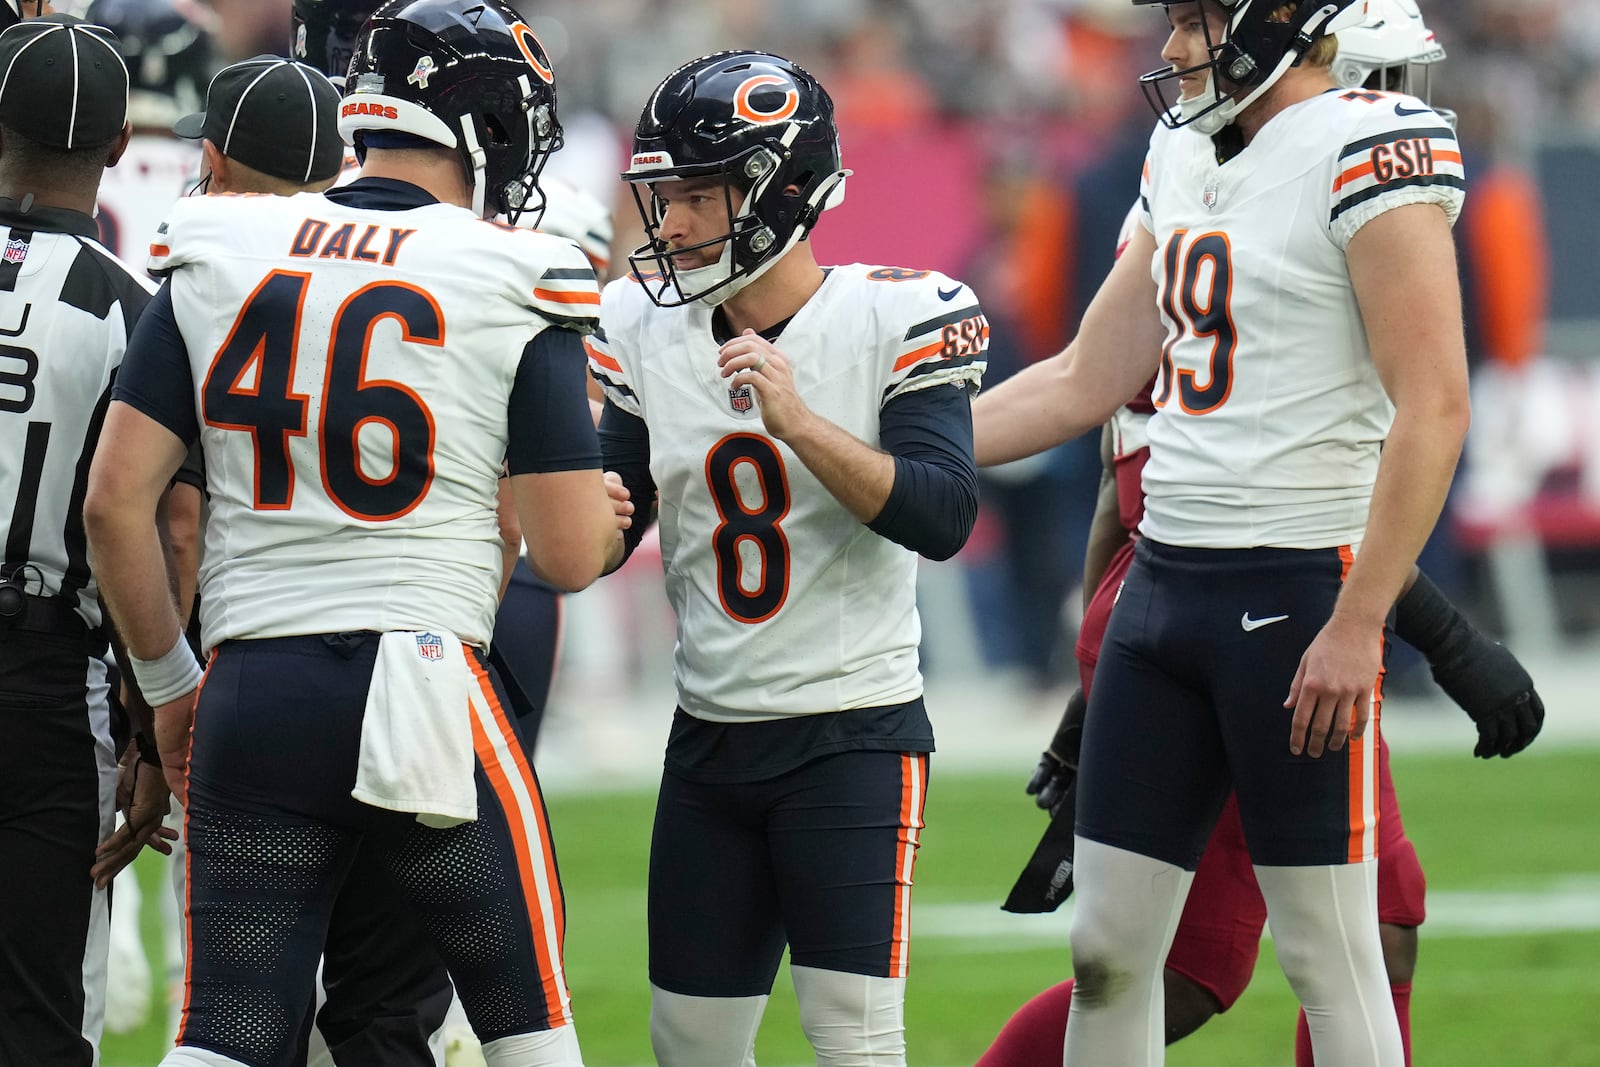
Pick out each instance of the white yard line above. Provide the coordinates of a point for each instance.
(1565, 904)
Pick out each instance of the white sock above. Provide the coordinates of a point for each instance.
(1325, 928)
(852, 1020)
(690, 1031)
(544, 1048)
(1127, 908)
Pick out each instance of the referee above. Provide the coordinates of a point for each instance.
(66, 309)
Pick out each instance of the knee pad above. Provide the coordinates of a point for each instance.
(690, 1031)
(852, 1020)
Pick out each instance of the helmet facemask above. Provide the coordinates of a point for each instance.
(505, 178)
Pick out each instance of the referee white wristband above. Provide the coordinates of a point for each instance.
(164, 680)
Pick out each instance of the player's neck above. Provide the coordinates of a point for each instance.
(777, 294)
(1298, 84)
(47, 194)
(438, 174)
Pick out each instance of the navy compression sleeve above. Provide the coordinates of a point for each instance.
(934, 501)
(625, 444)
(155, 376)
(551, 428)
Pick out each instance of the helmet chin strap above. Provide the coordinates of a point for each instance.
(717, 273)
(475, 153)
(1212, 122)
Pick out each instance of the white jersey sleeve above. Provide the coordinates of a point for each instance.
(1141, 207)
(567, 294)
(945, 336)
(613, 355)
(1398, 152)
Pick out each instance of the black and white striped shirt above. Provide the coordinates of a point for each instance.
(67, 307)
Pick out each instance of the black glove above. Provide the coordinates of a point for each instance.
(1483, 677)
(1492, 687)
(1058, 764)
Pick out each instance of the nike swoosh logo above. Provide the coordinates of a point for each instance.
(951, 295)
(1399, 110)
(1248, 624)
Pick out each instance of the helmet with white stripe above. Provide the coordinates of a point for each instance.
(466, 74)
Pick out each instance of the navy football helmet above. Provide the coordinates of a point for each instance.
(325, 32)
(466, 74)
(1260, 41)
(168, 53)
(762, 125)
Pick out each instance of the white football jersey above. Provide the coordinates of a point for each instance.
(352, 370)
(786, 603)
(1271, 412)
(136, 194)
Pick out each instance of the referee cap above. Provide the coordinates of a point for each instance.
(62, 82)
(273, 115)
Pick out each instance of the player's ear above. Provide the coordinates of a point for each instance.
(215, 165)
(120, 145)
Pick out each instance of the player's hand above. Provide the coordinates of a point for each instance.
(1058, 764)
(1332, 690)
(621, 502)
(174, 721)
(752, 360)
(1492, 687)
(147, 806)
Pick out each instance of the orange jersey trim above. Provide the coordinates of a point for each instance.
(557, 296)
(913, 797)
(601, 358)
(911, 359)
(527, 826)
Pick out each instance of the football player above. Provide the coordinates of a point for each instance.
(359, 366)
(1292, 280)
(1214, 951)
(806, 431)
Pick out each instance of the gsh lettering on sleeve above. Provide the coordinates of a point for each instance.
(1402, 159)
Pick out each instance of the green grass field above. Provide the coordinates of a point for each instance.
(1510, 962)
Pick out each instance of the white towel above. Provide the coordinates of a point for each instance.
(416, 735)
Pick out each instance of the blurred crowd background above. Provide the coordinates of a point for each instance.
(1000, 141)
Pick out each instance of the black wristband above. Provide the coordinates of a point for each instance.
(148, 753)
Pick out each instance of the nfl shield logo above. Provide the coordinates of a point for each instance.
(16, 250)
(741, 399)
(1209, 196)
(430, 646)
(423, 71)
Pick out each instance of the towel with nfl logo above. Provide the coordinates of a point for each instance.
(416, 733)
